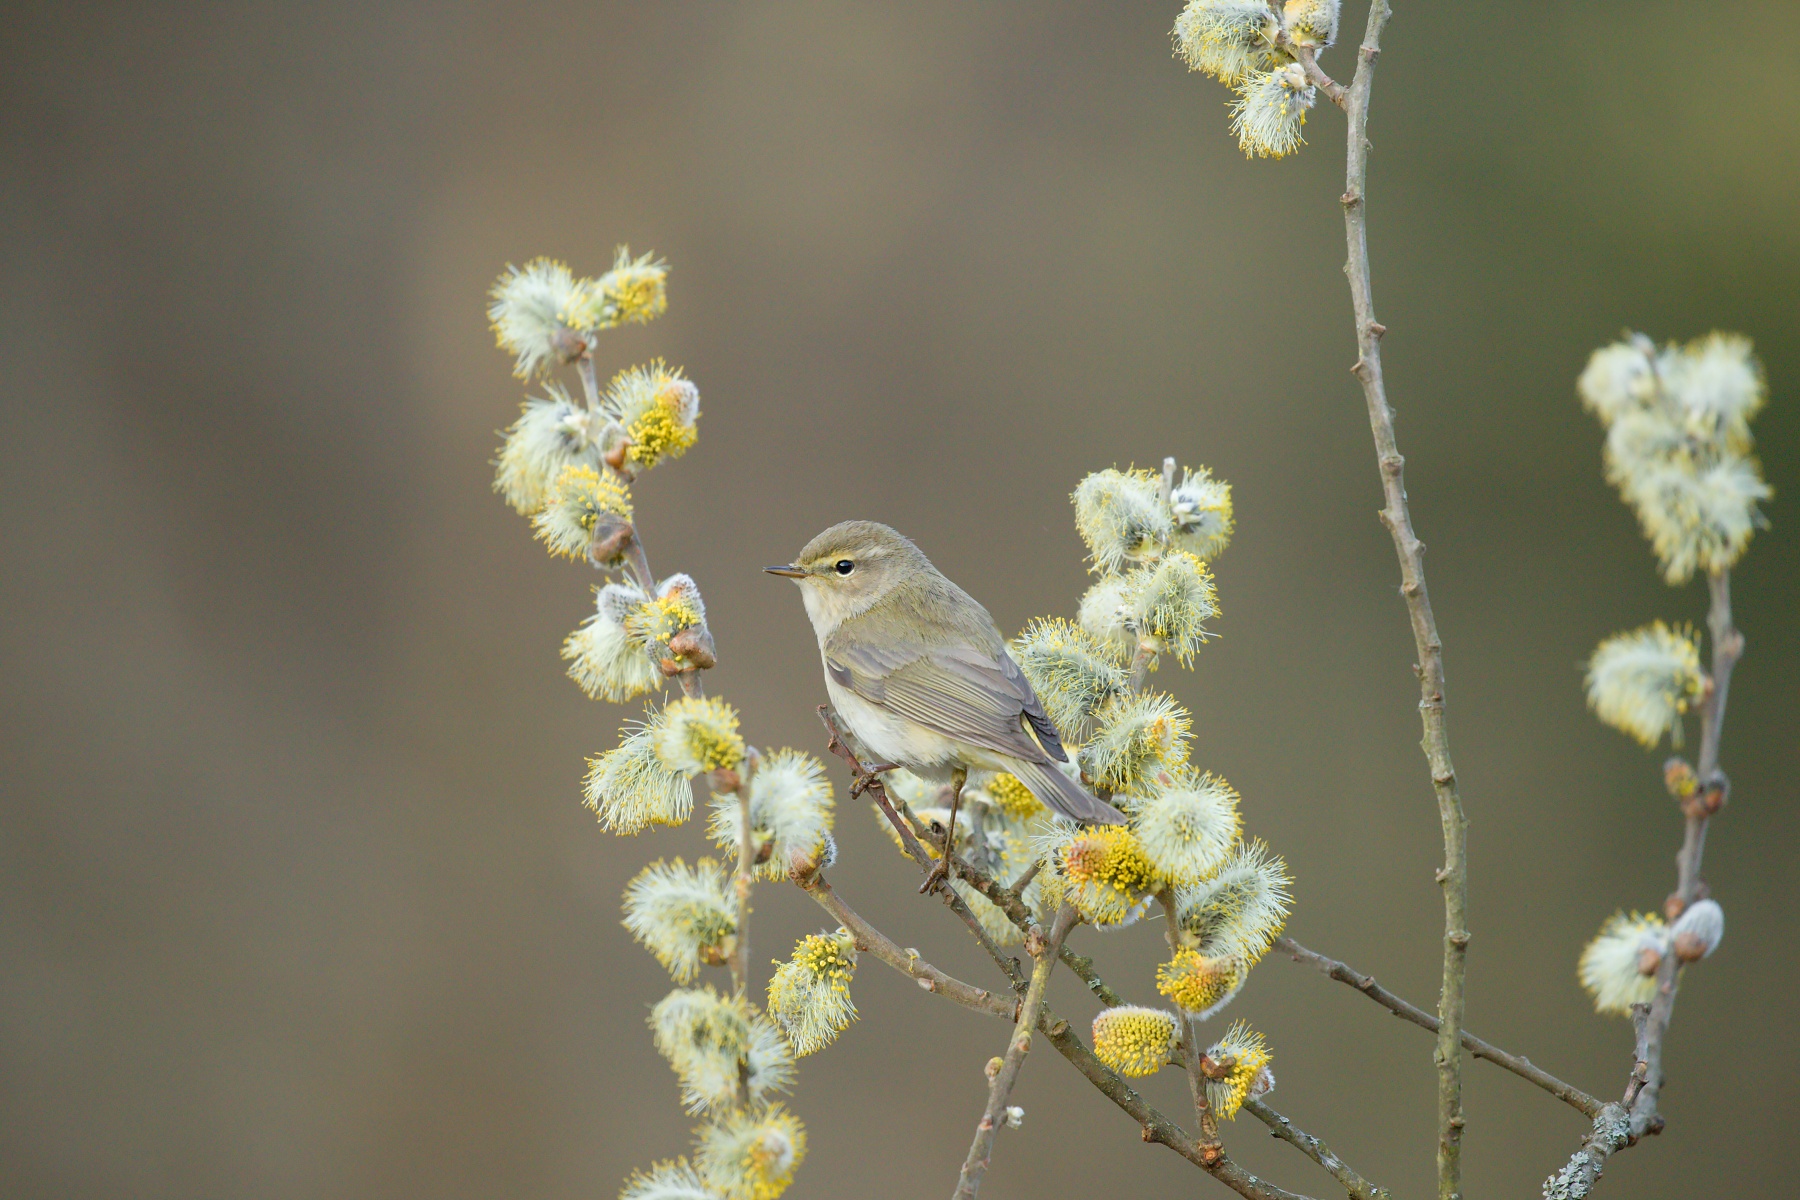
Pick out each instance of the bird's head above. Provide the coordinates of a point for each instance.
(850, 568)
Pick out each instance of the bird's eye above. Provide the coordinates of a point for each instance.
(845, 566)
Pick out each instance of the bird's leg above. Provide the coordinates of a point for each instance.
(942, 871)
(866, 777)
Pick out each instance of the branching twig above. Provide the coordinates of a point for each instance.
(1154, 1125)
(873, 941)
(1519, 1065)
(1611, 1131)
(1357, 1187)
(981, 1149)
(917, 852)
(1411, 552)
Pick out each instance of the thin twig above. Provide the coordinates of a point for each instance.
(1727, 648)
(873, 941)
(1188, 1051)
(745, 880)
(1518, 1064)
(1430, 666)
(1358, 1187)
(1154, 1126)
(1309, 62)
(981, 1148)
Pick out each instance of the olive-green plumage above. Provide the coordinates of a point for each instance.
(919, 673)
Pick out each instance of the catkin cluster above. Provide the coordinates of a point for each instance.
(1678, 448)
(568, 466)
(1254, 48)
(1151, 540)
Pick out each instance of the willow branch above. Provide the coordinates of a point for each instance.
(745, 879)
(871, 940)
(981, 1148)
(1354, 1184)
(1622, 1124)
(637, 558)
(1154, 1126)
(1453, 876)
(1727, 648)
(1518, 1064)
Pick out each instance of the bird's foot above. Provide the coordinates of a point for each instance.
(866, 779)
(941, 873)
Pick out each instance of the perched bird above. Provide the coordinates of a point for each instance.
(918, 672)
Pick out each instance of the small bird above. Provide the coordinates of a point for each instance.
(919, 673)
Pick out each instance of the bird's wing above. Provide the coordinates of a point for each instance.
(965, 692)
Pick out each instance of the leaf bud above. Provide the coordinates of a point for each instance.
(1680, 778)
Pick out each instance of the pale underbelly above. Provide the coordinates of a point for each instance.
(895, 739)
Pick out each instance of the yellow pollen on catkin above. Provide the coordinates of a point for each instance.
(1250, 1055)
(809, 994)
(658, 620)
(696, 735)
(635, 294)
(1013, 797)
(659, 432)
(1109, 854)
(1135, 1041)
(1197, 982)
(1107, 874)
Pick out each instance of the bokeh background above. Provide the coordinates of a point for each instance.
(296, 895)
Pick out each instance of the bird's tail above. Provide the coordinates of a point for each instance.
(1064, 795)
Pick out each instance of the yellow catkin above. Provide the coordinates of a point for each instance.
(659, 431)
(1249, 1056)
(1013, 797)
(1196, 982)
(1107, 873)
(1134, 1041)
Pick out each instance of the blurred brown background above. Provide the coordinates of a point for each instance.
(296, 895)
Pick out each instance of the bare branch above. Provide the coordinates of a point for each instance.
(1354, 1184)
(1519, 1065)
(981, 1149)
(1411, 552)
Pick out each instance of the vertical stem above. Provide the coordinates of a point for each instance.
(1190, 1031)
(982, 1147)
(590, 385)
(637, 558)
(1727, 647)
(1453, 877)
(746, 865)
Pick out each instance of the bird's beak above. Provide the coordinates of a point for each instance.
(792, 572)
